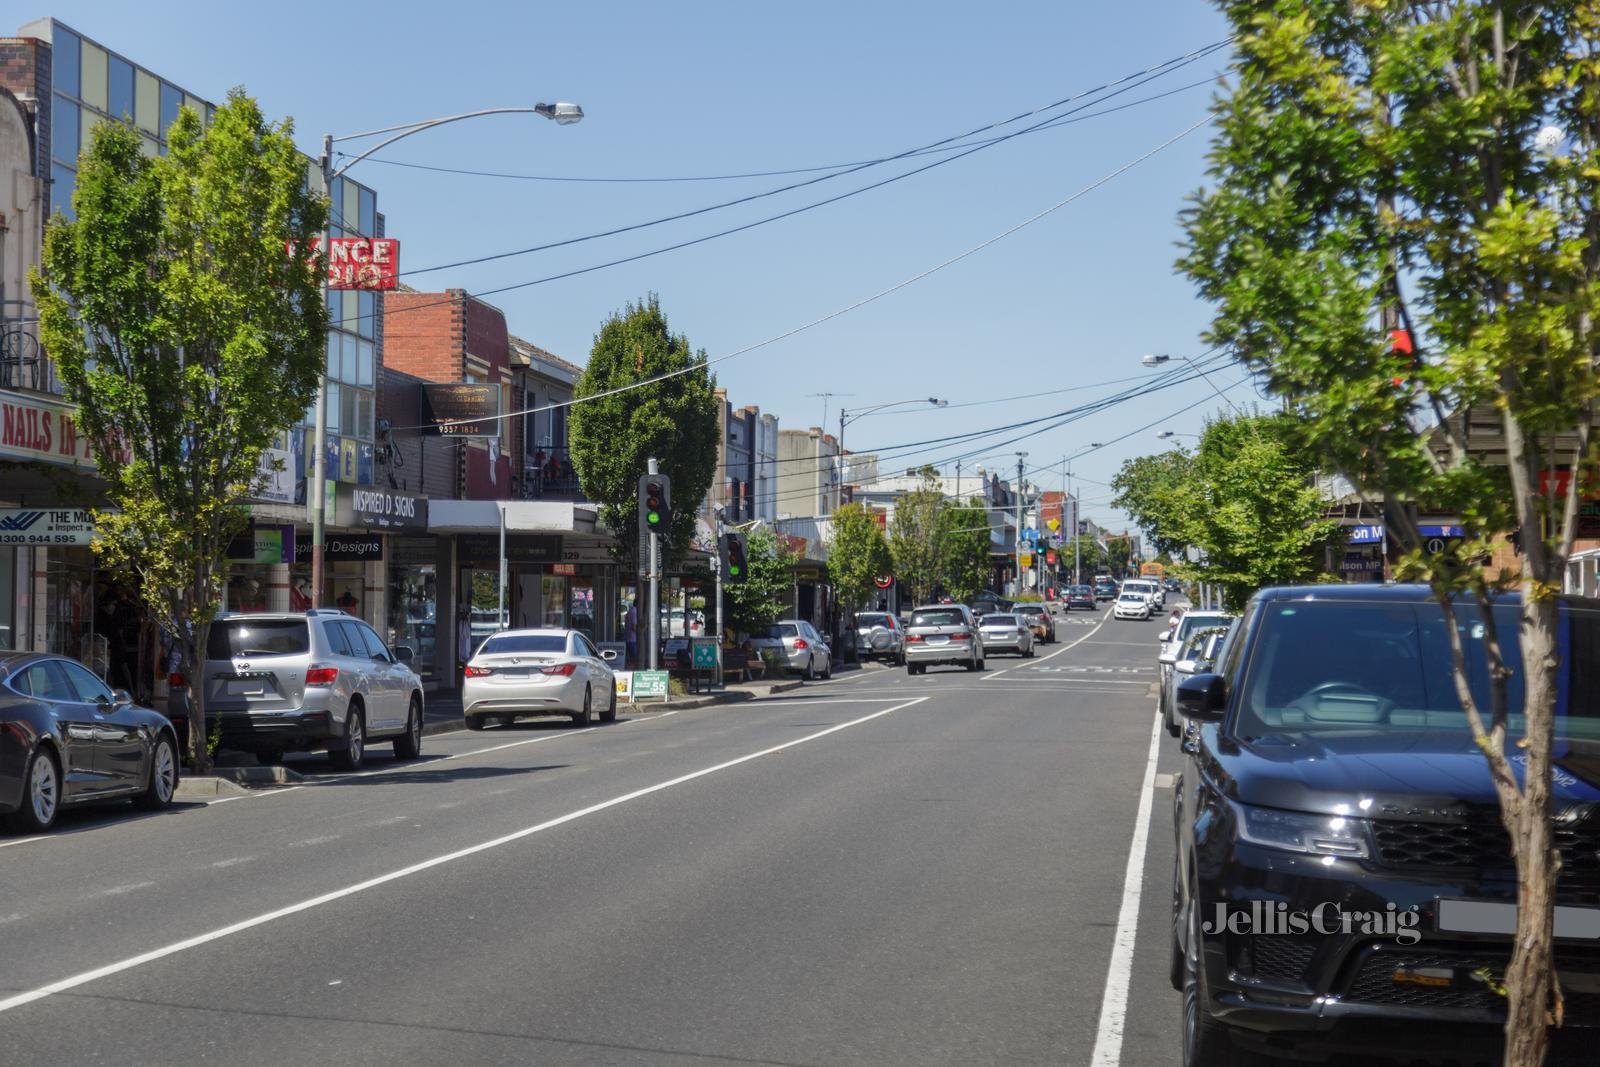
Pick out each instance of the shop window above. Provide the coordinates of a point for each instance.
(171, 101)
(62, 181)
(367, 303)
(365, 357)
(146, 101)
(92, 76)
(8, 599)
(333, 407)
(413, 602)
(369, 213)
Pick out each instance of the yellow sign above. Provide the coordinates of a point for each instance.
(1054, 524)
(1026, 560)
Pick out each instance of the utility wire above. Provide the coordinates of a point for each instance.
(964, 151)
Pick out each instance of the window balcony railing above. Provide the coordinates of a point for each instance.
(22, 361)
(548, 474)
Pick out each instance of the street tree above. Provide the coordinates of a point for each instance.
(963, 549)
(857, 555)
(1401, 230)
(189, 340)
(763, 596)
(672, 418)
(1247, 499)
(914, 537)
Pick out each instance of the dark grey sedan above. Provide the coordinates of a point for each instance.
(68, 738)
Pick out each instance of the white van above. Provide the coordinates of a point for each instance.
(1149, 589)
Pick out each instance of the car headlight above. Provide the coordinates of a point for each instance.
(1296, 831)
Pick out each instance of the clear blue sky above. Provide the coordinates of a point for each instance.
(711, 88)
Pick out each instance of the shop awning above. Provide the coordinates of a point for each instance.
(522, 516)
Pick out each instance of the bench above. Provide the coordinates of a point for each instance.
(749, 665)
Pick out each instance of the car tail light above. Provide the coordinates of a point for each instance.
(321, 675)
(913, 639)
(176, 681)
(960, 637)
(477, 672)
(800, 644)
(563, 669)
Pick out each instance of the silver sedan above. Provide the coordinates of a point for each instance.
(517, 673)
(1002, 632)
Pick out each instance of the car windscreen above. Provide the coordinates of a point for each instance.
(778, 631)
(938, 617)
(503, 643)
(998, 620)
(257, 637)
(1373, 667)
(867, 621)
(1193, 621)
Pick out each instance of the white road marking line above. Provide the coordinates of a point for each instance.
(323, 840)
(235, 861)
(1114, 1002)
(1051, 655)
(85, 977)
(119, 890)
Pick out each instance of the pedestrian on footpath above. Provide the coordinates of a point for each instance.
(630, 633)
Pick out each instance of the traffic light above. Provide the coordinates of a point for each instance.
(655, 504)
(735, 567)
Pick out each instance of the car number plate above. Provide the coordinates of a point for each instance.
(246, 687)
(1495, 917)
(938, 639)
(514, 676)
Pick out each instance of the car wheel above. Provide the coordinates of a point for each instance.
(477, 722)
(163, 781)
(409, 744)
(350, 755)
(1175, 964)
(41, 793)
(1028, 654)
(610, 714)
(972, 664)
(900, 660)
(810, 673)
(915, 668)
(1170, 719)
(1206, 1042)
(586, 716)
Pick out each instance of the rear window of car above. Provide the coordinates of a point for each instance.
(998, 620)
(1030, 609)
(778, 631)
(504, 643)
(258, 637)
(938, 617)
(869, 620)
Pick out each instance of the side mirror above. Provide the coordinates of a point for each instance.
(404, 654)
(121, 697)
(1202, 697)
(1167, 657)
(608, 654)
(1184, 666)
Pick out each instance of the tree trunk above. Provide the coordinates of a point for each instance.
(1530, 977)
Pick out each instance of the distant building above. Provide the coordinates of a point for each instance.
(809, 482)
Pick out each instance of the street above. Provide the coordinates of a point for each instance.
(875, 869)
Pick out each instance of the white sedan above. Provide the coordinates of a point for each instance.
(517, 673)
(1132, 606)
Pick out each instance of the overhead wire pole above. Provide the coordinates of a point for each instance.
(563, 114)
(1017, 540)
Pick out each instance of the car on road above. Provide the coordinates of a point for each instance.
(799, 645)
(987, 603)
(1105, 589)
(1005, 632)
(66, 738)
(1081, 596)
(1038, 617)
(1195, 655)
(1188, 623)
(1343, 883)
(544, 671)
(1149, 589)
(318, 679)
(1132, 606)
(943, 633)
(879, 635)
(672, 623)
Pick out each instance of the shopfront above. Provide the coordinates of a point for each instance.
(1363, 559)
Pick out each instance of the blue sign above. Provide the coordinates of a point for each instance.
(1030, 536)
(1366, 535)
(1442, 531)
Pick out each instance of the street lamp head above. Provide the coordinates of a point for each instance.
(936, 402)
(1165, 434)
(564, 113)
(1155, 359)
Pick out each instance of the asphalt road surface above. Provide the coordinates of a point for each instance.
(875, 869)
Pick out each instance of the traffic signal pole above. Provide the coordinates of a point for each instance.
(654, 576)
(718, 539)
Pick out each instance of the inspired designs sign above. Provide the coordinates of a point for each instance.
(20, 526)
(359, 262)
(389, 510)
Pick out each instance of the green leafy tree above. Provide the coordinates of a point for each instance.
(963, 550)
(857, 556)
(1246, 499)
(1393, 239)
(763, 597)
(188, 339)
(1091, 557)
(1119, 554)
(674, 419)
(914, 538)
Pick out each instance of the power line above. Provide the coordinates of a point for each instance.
(961, 153)
(703, 364)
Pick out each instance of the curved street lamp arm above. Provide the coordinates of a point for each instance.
(409, 128)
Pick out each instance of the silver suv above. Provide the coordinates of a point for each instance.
(305, 680)
(943, 633)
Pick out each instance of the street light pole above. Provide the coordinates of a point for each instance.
(563, 114)
(1018, 538)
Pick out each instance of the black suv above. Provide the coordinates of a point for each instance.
(1343, 883)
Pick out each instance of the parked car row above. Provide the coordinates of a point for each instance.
(1343, 884)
